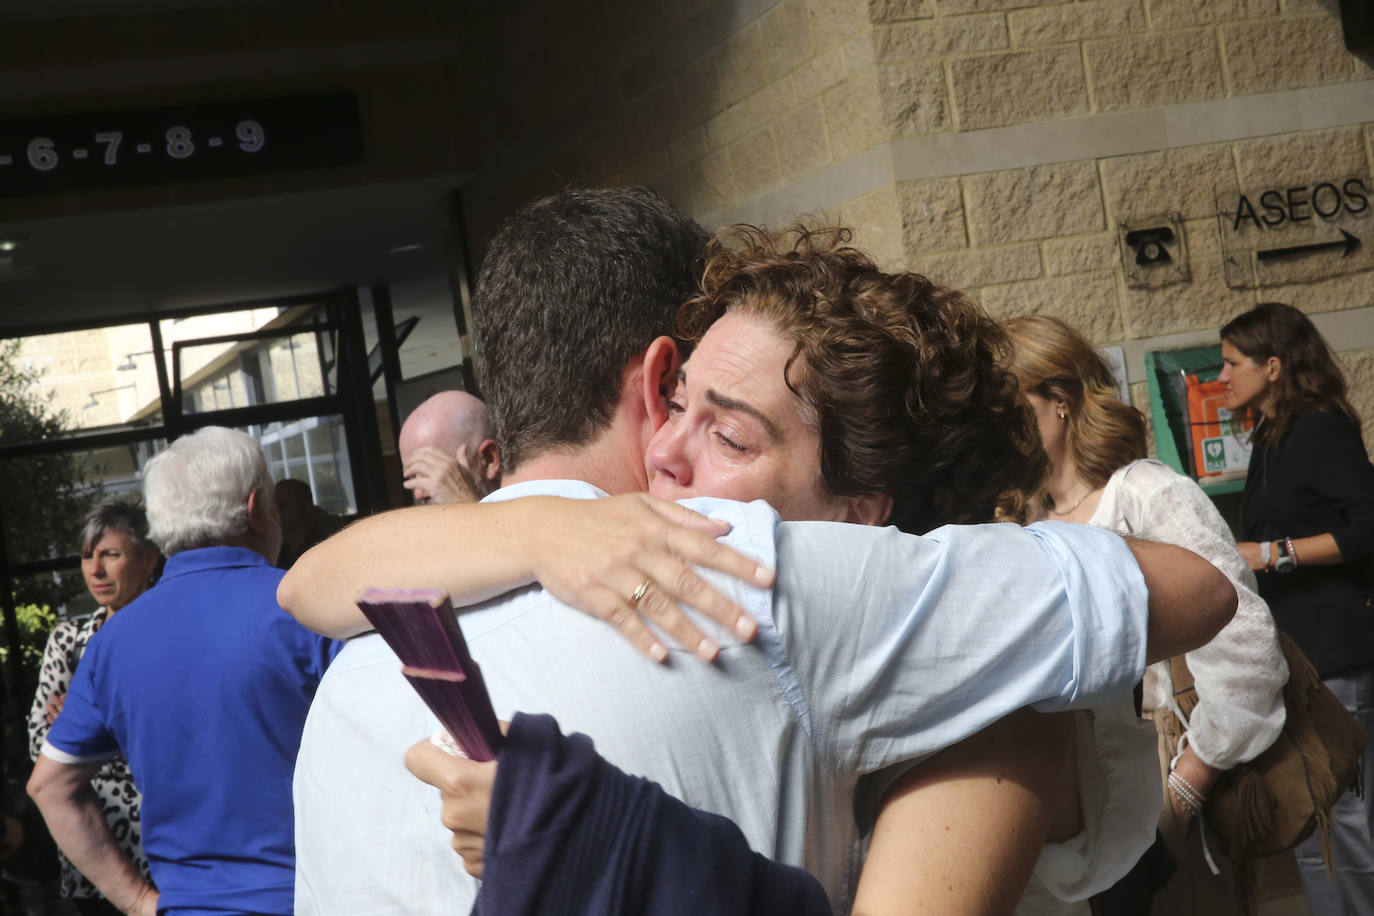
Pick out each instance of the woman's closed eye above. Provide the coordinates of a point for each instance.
(730, 443)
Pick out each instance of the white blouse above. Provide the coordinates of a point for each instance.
(1119, 794)
(1239, 674)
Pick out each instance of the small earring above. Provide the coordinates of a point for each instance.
(1063, 415)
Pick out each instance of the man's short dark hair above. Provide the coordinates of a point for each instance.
(572, 288)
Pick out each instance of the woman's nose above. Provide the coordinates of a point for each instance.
(667, 456)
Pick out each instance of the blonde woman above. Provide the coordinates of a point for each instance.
(1099, 475)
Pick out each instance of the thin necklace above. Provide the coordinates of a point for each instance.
(1074, 506)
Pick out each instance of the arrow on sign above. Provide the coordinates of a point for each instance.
(1349, 243)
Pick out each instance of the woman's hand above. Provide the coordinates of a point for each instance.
(1250, 551)
(592, 554)
(598, 556)
(53, 707)
(1201, 777)
(465, 786)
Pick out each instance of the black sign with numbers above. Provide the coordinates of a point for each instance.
(217, 140)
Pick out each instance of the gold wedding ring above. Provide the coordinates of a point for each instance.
(639, 592)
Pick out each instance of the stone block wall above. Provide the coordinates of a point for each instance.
(1001, 146)
(74, 364)
(790, 91)
(1045, 238)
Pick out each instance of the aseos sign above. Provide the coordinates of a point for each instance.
(1292, 234)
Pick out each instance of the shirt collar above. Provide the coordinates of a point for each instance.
(570, 489)
(202, 558)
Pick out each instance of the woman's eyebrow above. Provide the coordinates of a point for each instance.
(727, 403)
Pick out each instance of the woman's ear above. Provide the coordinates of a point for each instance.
(1273, 368)
(868, 509)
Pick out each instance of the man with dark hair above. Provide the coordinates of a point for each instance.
(775, 736)
(585, 280)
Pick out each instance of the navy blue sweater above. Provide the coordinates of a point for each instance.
(570, 834)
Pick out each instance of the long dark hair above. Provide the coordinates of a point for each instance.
(1309, 377)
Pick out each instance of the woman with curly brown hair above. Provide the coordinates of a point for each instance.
(886, 398)
(1099, 475)
(1308, 521)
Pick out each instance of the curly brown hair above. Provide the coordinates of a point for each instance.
(908, 382)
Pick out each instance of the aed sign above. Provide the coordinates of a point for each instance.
(1292, 233)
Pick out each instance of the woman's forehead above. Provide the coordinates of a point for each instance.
(743, 358)
(110, 538)
(740, 351)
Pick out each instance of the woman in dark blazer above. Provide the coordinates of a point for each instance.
(1308, 520)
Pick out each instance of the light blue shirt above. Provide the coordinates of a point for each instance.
(874, 648)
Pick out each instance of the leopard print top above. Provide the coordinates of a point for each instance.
(113, 783)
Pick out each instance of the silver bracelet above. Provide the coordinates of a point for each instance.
(1183, 790)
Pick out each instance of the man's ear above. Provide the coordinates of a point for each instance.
(661, 364)
(488, 460)
(868, 508)
(257, 510)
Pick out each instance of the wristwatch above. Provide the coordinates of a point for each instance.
(1286, 561)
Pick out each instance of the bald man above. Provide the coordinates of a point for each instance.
(448, 450)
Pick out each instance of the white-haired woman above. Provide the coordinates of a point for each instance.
(117, 562)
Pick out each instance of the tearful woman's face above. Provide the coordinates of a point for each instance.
(735, 430)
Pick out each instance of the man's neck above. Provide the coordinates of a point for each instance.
(259, 545)
(604, 463)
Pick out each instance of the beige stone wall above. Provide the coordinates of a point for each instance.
(1044, 239)
(997, 145)
(767, 110)
(74, 365)
(1359, 372)
(793, 89)
(81, 368)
